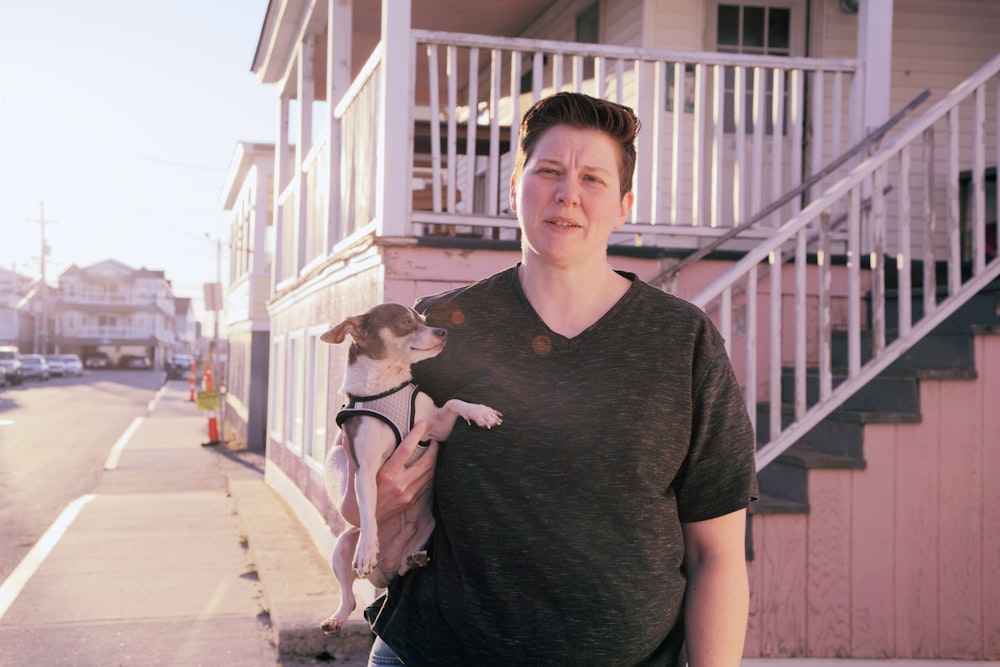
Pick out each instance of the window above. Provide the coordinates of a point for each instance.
(278, 382)
(753, 29)
(758, 29)
(296, 393)
(318, 371)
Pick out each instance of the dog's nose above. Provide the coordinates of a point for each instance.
(441, 333)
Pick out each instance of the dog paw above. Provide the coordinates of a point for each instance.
(484, 416)
(333, 625)
(417, 559)
(365, 559)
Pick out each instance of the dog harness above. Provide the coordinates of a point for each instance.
(396, 407)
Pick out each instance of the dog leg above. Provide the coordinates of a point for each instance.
(343, 552)
(444, 421)
(366, 554)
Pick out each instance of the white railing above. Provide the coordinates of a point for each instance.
(735, 145)
(914, 219)
(100, 332)
(359, 162)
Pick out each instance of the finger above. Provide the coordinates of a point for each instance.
(409, 445)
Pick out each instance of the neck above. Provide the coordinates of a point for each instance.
(367, 377)
(571, 300)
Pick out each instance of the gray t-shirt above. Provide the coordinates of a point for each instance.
(558, 538)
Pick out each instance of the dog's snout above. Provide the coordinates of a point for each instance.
(441, 333)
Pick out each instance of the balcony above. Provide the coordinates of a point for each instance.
(723, 136)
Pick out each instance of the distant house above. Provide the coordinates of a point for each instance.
(13, 288)
(112, 308)
(847, 255)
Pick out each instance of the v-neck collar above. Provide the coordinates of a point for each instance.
(558, 340)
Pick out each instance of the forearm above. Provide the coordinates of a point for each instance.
(716, 611)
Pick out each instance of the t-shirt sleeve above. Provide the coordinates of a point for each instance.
(719, 474)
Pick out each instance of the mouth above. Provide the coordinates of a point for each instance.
(426, 349)
(562, 223)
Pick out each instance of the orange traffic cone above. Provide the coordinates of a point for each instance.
(213, 425)
(213, 433)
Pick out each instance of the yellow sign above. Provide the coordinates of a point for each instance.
(208, 400)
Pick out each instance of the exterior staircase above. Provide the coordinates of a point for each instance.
(878, 533)
(872, 386)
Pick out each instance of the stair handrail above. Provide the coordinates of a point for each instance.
(784, 436)
(669, 273)
(840, 188)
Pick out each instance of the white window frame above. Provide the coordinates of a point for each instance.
(295, 392)
(277, 382)
(318, 405)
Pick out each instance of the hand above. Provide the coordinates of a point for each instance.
(405, 485)
(400, 487)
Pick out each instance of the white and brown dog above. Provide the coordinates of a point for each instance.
(382, 406)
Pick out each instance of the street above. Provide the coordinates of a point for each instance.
(119, 545)
(54, 439)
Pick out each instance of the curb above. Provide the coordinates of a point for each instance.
(299, 589)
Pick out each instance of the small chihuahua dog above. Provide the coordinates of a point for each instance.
(382, 406)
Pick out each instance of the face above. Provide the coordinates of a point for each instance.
(568, 198)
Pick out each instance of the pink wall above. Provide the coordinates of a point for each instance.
(902, 559)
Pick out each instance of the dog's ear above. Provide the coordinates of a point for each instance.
(352, 326)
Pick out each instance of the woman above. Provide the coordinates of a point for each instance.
(604, 522)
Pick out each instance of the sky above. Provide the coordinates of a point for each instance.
(121, 118)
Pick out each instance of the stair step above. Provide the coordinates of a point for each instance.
(983, 309)
(939, 355)
(887, 393)
(787, 477)
(769, 504)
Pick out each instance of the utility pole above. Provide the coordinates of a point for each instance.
(42, 329)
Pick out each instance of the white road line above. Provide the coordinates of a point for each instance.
(116, 450)
(17, 580)
(156, 399)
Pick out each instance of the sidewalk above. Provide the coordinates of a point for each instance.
(297, 587)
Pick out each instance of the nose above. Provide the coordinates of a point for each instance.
(441, 333)
(568, 193)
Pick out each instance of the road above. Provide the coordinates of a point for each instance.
(54, 439)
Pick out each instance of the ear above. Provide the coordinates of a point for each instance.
(352, 326)
(626, 208)
(513, 193)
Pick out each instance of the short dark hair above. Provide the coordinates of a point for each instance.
(584, 112)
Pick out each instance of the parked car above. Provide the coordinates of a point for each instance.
(35, 367)
(97, 360)
(179, 367)
(73, 364)
(57, 367)
(134, 362)
(11, 368)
